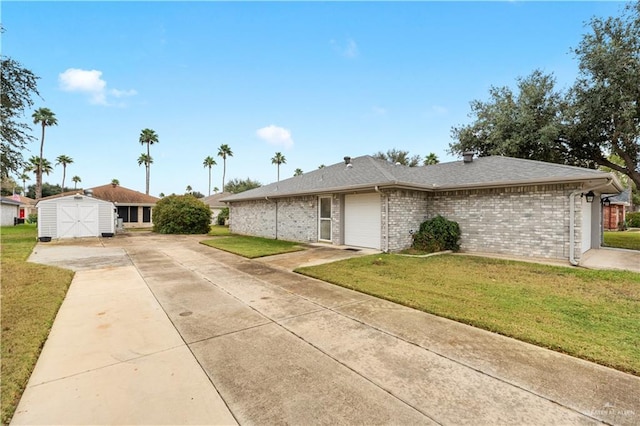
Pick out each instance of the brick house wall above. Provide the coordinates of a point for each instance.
(523, 221)
(297, 218)
(613, 216)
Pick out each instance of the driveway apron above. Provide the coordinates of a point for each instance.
(280, 348)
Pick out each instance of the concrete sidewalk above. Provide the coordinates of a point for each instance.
(113, 357)
(195, 335)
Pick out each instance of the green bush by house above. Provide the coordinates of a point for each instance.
(181, 214)
(437, 234)
(633, 220)
(223, 216)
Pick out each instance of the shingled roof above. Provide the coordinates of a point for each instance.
(115, 194)
(367, 173)
(121, 195)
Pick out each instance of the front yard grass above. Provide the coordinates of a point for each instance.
(594, 315)
(622, 239)
(31, 297)
(253, 247)
(219, 230)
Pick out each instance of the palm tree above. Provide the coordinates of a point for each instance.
(297, 172)
(216, 189)
(37, 166)
(147, 161)
(224, 151)
(24, 177)
(75, 180)
(64, 160)
(115, 182)
(431, 159)
(149, 137)
(209, 162)
(189, 189)
(45, 117)
(278, 159)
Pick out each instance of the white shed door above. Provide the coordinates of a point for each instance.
(362, 220)
(77, 220)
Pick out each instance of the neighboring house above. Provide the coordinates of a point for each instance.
(503, 205)
(75, 216)
(9, 211)
(613, 209)
(134, 208)
(214, 203)
(27, 207)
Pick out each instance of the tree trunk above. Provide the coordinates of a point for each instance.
(39, 168)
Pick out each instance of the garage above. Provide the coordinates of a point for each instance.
(362, 224)
(75, 216)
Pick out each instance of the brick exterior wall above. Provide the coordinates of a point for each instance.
(523, 221)
(297, 218)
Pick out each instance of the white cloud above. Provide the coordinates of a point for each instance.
(348, 49)
(91, 83)
(274, 135)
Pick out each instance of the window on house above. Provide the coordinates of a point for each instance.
(146, 214)
(325, 219)
(123, 213)
(133, 214)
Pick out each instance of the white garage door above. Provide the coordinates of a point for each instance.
(362, 220)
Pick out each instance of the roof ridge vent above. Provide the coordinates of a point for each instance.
(467, 156)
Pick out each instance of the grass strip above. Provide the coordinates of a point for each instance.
(253, 247)
(594, 315)
(626, 239)
(219, 231)
(31, 297)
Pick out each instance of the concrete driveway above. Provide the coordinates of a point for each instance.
(172, 332)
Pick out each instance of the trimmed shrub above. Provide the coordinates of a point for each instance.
(181, 214)
(223, 216)
(437, 234)
(32, 218)
(633, 220)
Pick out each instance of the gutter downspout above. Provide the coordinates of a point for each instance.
(386, 218)
(572, 220)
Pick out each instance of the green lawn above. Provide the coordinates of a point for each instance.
(622, 239)
(590, 314)
(31, 297)
(219, 230)
(253, 247)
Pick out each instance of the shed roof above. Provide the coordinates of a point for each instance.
(9, 201)
(367, 173)
(53, 199)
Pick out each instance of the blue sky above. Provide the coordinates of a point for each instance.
(315, 81)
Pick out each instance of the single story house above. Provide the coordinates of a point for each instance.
(75, 216)
(9, 211)
(614, 209)
(214, 203)
(27, 207)
(134, 208)
(503, 205)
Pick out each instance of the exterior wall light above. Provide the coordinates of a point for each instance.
(589, 196)
(606, 202)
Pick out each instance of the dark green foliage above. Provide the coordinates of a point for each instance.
(633, 220)
(437, 234)
(223, 216)
(181, 214)
(47, 190)
(32, 218)
(240, 185)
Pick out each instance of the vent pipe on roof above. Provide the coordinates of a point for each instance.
(347, 160)
(88, 192)
(467, 156)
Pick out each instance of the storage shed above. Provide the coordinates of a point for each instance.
(9, 211)
(75, 216)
